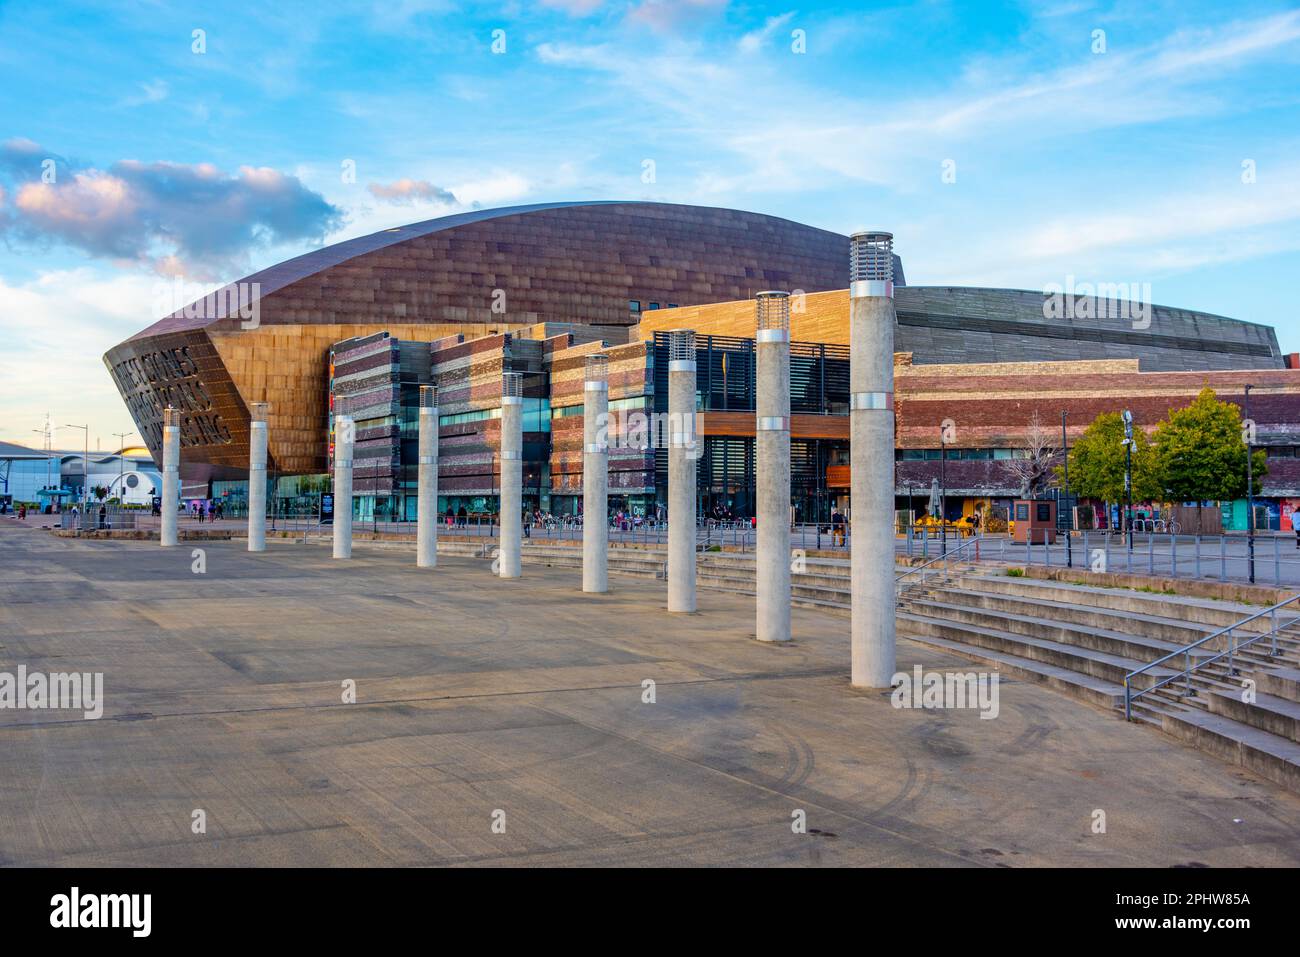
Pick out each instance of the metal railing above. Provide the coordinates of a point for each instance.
(1222, 557)
(1235, 645)
(945, 558)
(114, 517)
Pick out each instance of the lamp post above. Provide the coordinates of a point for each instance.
(943, 492)
(1069, 525)
(1250, 493)
(49, 457)
(872, 318)
(121, 466)
(772, 457)
(1128, 476)
(85, 465)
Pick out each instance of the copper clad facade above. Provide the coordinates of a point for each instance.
(482, 273)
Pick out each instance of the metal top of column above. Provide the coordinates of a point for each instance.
(681, 350)
(772, 311)
(171, 417)
(871, 263)
(259, 410)
(512, 388)
(428, 396)
(596, 371)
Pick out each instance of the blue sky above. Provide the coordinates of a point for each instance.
(1121, 163)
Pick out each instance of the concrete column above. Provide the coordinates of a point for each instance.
(682, 454)
(512, 475)
(772, 465)
(426, 516)
(871, 463)
(257, 479)
(595, 476)
(171, 474)
(345, 433)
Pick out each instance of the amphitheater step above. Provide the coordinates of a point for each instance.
(1218, 614)
(1174, 631)
(1274, 715)
(1266, 754)
(1096, 691)
(1132, 647)
(1097, 664)
(1280, 682)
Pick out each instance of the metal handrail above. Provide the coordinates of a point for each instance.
(898, 582)
(1234, 647)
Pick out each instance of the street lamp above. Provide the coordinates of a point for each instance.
(85, 464)
(1250, 491)
(943, 491)
(1128, 476)
(121, 466)
(49, 454)
(1069, 524)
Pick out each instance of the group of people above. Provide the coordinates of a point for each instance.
(207, 511)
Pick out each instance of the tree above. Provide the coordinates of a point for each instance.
(1200, 452)
(1097, 462)
(1034, 471)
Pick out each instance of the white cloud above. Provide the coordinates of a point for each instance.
(753, 41)
(153, 91)
(1137, 238)
(56, 329)
(161, 213)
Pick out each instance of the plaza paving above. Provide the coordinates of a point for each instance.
(223, 693)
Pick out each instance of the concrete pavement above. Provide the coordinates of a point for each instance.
(224, 692)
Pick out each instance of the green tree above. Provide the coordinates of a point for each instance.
(1097, 462)
(1201, 454)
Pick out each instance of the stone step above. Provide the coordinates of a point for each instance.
(823, 595)
(1097, 664)
(1266, 754)
(1274, 715)
(1205, 611)
(1171, 630)
(1283, 682)
(1104, 694)
(1136, 648)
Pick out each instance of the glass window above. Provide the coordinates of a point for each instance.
(634, 305)
(654, 305)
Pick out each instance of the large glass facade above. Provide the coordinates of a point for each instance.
(726, 369)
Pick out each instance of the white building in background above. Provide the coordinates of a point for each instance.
(130, 475)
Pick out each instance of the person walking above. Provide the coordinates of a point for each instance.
(837, 528)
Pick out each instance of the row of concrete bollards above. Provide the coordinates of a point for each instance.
(871, 424)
